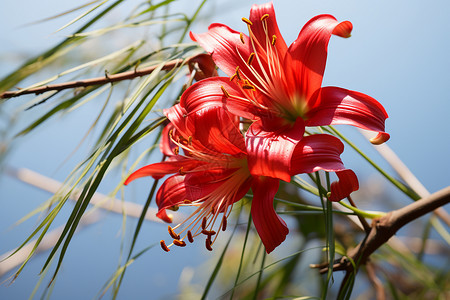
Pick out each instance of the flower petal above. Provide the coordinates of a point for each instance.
(271, 228)
(268, 28)
(158, 170)
(308, 54)
(224, 186)
(171, 194)
(270, 152)
(335, 105)
(216, 92)
(225, 46)
(317, 152)
(347, 183)
(204, 66)
(166, 145)
(216, 131)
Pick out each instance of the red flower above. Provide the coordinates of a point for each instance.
(208, 157)
(276, 83)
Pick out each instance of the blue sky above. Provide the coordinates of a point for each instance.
(398, 54)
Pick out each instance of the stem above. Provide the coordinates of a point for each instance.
(362, 213)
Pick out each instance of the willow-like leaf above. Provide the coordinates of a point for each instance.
(266, 267)
(120, 270)
(82, 15)
(217, 267)
(37, 63)
(241, 260)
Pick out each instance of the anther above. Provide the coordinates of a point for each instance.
(237, 73)
(163, 246)
(181, 172)
(190, 140)
(173, 208)
(233, 77)
(274, 39)
(208, 244)
(204, 223)
(190, 237)
(172, 233)
(176, 150)
(208, 232)
(186, 201)
(241, 36)
(250, 58)
(245, 20)
(248, 87)
(265, 16)
(224, 223)
(225, 93)
(179, 243)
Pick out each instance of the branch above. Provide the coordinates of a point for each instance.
(384, 228)
(92, 81)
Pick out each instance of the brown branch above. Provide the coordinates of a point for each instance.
(92, 81)
(384, 228)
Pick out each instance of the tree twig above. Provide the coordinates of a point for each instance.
(384, 228)
(92, 81)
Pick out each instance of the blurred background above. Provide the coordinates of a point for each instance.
(398, 54)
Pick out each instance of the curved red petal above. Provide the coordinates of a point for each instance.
(270, 227)
(225, 46)
(216, 92)
(347, 183)
(220, 184)
(268, 28)
(158, 170)
(269, 152)
(177, 116)
(171, 193)
(204, 65)
(336, 106)
(166, 145)
(317, 152)
(217, 131)
(307, 56)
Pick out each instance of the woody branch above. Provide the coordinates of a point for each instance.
(92, 81)
(384, 228)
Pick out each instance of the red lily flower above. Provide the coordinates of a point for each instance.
(208, 157)
(277, 83)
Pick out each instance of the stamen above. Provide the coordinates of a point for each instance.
(204, 223)
(176, 150)
(179, 243)
(208, 232)
(245, 20)
(190, 140)
(181, 172)
(173, 234)
(250, 58)
(208, 244)
(225, 93)
(186, 201)
(248, 87)
(233, 77)
(241, 36)
(173, 208)
(274, 39)
(224, 223)
(190, 237)
(265, 16)
(163, 246)
(237, 73)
